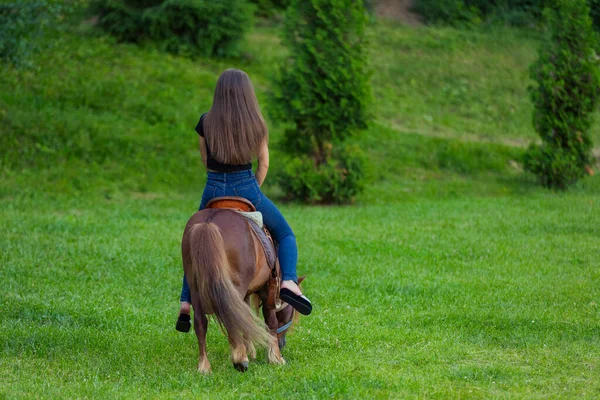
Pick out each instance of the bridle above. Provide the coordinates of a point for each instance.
(289, 323)
(282, 305)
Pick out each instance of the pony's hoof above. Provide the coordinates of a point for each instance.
(242, 367)
(281, 342)
(204, 367)
(205, 371)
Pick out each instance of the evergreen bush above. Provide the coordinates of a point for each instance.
(567, 74)
(337, 180)
(21, 25)
(323, 92)
(203, 27)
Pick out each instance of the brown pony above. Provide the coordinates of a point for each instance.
(224, 264)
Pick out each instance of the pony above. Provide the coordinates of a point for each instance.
(225, 264)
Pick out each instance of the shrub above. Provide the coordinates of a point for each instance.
(21, 24)
(119, 19)
(513, 12)
(507, 12)
(337, 180)
(568, 86)
(555, 167)
(205, 27)
(322, 90)
(269, 8)
(451, 12)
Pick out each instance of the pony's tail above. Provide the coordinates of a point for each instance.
(212, 282)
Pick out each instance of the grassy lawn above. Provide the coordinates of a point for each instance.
(453, 275)
(469, 297)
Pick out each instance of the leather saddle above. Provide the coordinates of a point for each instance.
(246, 208)
(233, 203)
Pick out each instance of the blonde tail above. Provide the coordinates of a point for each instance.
(212, 283)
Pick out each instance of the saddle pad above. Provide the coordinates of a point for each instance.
(267, 243)
(255, 216)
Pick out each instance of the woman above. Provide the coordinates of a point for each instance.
(230, 135)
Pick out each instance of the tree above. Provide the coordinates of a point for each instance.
(568, 86)
(322, 90)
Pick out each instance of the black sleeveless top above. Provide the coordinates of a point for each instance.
(213, 164)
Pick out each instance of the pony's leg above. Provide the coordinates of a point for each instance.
(250, 349)
(239, 358)
(200, 327)
(240, 347)
(273, 353)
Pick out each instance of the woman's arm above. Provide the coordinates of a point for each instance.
(202, 145)
(263, 163)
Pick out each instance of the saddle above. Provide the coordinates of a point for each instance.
(254, 219)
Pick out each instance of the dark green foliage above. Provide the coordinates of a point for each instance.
(473, 12)
(21, 24)
(595, 13)
(513, 12)
(323, 92)
(555, 167)
(338, 179)
(507, 12)
(452, 12)
(269, 8)
(119, 19)
(369, 6)
(568, 86)
(203, 27)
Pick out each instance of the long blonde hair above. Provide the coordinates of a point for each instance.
(234, 128)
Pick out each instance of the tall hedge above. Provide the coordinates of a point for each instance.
(203, 27)
(567, 74)
(322, 91)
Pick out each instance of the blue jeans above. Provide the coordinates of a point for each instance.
(244, 184)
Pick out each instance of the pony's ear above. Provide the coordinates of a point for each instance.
(301, 279)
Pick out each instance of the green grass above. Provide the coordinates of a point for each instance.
(453, 276)
(471, 297)
(447, 83)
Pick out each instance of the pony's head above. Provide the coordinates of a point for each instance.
(286, 318)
